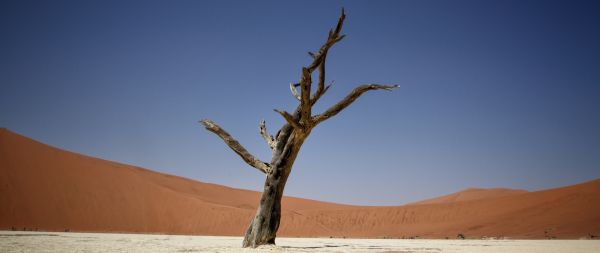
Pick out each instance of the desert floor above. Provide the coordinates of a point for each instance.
(103, 242)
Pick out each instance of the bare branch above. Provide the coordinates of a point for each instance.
(328, 86)
(319, 59)
(294, 91)
(318, 96)
(333, 37)
(338, 27)
(268, 138)
(321, 83)
(289, 118)
(339, 38)
(354, 94)
(236, 146)
(305, 105)
(306, 102)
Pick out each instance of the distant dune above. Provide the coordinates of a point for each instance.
(471, 194)
(45, 188)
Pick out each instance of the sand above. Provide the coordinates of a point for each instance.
(48, 189)
(97, 242)
(471, 194)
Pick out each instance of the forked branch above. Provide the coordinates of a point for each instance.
(236, 146)
(320, 93)
(306, 99)
(289, 119)
(319, 59)
(333, 37)
(349, 99)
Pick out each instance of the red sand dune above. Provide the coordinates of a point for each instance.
(471, 194)
(46, 188)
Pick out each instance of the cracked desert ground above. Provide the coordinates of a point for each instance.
(103, 242)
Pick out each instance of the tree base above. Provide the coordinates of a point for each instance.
(251, 243)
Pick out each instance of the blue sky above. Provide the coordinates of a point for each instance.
(494, 93)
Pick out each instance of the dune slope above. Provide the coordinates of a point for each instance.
(45, 188)
(471, 194)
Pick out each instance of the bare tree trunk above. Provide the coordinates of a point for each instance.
(263, 228)
(288, 140)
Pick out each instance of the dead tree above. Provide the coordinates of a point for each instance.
(286, 144)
